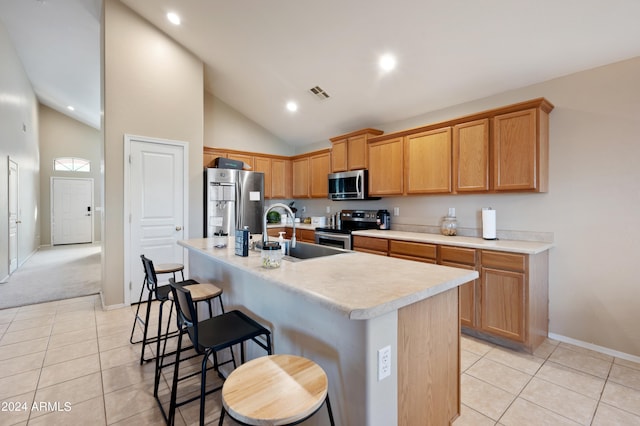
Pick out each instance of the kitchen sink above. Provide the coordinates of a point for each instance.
(303, 251)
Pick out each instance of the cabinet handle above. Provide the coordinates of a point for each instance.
(178, 228)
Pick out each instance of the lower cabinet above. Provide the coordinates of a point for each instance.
(371, 245)
(306, 235)
(465, 258)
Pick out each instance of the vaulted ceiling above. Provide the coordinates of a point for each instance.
(261, 54)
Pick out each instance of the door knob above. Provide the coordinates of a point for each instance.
(18, 221)
(178, 228)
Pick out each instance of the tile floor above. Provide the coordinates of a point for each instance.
(71, 363)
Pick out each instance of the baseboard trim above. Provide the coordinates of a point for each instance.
(591, 346)
(110, 307)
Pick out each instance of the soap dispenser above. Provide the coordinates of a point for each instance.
(281, 241)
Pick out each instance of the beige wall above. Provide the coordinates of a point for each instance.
(225, 127)
(18, 140)
(152, 87)
(592, 206)
(62, 136)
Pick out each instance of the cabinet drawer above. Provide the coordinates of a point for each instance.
(419, 250)
(306, 235)
(505, 261)
(375, 244)
(466, 256)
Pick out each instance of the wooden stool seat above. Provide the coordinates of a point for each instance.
(168, 268)
(202, 291)
(275, 390)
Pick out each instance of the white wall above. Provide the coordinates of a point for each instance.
(62, 136)
(152, 87)
(18, 140)
(592, 206)
(225, 127)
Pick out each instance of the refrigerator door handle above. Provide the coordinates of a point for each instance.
(239, 205)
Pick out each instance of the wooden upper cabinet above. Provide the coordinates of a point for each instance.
(319, 169)
(339, 156)
(280, 178)
(386, 167)
(471, 156)
(520, 150)
(209, 155)
(248, 159)
(350, 151)
(263, 164)
(428, 160)
(300, 178)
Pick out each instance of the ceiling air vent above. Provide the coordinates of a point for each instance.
(319, 93)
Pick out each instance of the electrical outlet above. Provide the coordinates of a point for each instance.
(384, 362)
(304, 209)
(396, 211)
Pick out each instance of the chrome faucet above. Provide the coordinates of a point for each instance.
(265, 237)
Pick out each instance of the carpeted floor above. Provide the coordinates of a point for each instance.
(54, 273)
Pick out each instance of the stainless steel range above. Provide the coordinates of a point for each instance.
(350, 220)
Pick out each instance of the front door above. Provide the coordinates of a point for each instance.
(158, 205)
(71, 210)
(13, 216)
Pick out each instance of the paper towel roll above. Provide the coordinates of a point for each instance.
(488, 224)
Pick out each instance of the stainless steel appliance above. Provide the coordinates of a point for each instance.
(350, 220)
(352, 185)
(233, 199)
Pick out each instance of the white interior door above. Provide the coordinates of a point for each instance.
(13, 216)
(71, 211)
(158, 206)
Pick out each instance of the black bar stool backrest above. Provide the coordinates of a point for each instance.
(150, 272)
(187, 316)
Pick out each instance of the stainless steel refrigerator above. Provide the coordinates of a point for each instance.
(233, 199)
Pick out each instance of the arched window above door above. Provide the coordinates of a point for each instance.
(71, 164)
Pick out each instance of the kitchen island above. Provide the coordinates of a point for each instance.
(340, 311)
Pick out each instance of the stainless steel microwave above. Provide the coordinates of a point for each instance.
(352, 185)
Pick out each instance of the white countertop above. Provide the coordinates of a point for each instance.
(525, 247)
(359, 285)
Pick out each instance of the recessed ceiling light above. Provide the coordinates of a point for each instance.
(70, 108)
(292, 106)
(387, 62)
(173, 18)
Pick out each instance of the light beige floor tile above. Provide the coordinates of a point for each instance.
(575, 380)
(607, 415)
(68, 370)
(21, 364)
(546, 348)
(115, 328)
(72, 338)
(30, 323)
(622, 397)
(25, 335)
(526, 363)
(126, 375)
(494, 373)
(3, 328)
(89, 412)
(129, 401)
(627, 363)
(149, 417)
(525, 413)
(467, 359)
(625, 376)
(581, 361)
(117, 340)
(16, 409)
(67, 326)
(120, 356)
(34, 314)
(565, 402)
(470, 417)
(585, 351)
(64, 353)
(78, 316)
(23, 348)
(477, 346)
(484, 398)
(71, 392)
(7, 315)
(18, 384)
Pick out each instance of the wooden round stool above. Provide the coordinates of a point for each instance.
(275, 390)
(170, 268)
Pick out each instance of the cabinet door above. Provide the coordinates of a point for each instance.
(357, 152)
(300, 171)
(419, 252)
(503, 303)
(339, 156)
(319, 169)
(242, 157)
(263, 164)
(428, 160)
(371, 245)
(471, 156)
(280, 178)
(386, 167)
(515, 151)
(306, 235)
(466, 296)
(210, 154)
